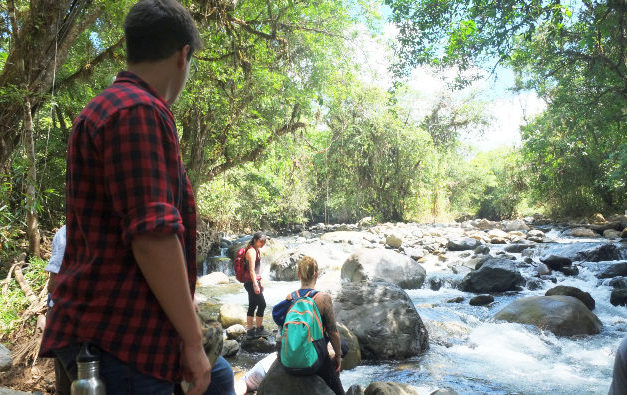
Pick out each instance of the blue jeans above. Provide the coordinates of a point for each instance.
(121, 378)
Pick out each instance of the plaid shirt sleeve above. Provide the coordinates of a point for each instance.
(138, 173)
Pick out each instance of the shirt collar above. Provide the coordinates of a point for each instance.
(130, 77)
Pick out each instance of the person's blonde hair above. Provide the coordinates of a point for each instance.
(307, 268)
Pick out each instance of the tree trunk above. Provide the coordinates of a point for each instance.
(40, 40)
(32, 227)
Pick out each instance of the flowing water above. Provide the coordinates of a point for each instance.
(471, 353)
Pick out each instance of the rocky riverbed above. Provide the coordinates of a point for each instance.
(475, 307)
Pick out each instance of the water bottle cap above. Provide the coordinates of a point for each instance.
(88, 353)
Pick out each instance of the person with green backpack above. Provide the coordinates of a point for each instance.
(309, 324)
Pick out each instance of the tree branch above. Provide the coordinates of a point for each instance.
(88, 69)
(13, 18)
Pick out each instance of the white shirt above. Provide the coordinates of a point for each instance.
(58, 249)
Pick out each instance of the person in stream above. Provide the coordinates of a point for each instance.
(129, 271)
(253, 287)
(329, 371)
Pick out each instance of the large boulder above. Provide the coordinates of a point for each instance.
(463, 244)
(230, 348)
(383, 318)
(278, 381)
(615, 270)
(517, 224)
(217, 264)
(619, 297)
(236, 331)
(231, 314)
(259, 344)
(517, 247)
(605, 252)
(353, 356)
(213, 279)
(585, 297)
(611, 234)
(5, 359)
(380, 264)
(562, 315)
(494, 275)
(285, 268)
(236, 245)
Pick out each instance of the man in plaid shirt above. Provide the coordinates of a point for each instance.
(129, 271)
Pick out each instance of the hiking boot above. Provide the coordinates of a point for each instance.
(261, 332)
(251, 333)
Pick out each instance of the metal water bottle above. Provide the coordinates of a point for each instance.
(88, 369)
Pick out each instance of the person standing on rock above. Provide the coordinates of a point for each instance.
(256, 300)
(129, 270)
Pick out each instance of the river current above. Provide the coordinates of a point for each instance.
(469, 352)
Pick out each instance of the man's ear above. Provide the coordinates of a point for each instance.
(181, 58)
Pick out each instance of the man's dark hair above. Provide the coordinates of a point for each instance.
(155, 29)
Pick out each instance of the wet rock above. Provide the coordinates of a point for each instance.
(605, 252)
(213, 279)
(390, 388)
(435, 283)
(383, 318)
(352, 358)
(231, 314)
(615, 270)
(618, 282)
(458, 299)
(562, 315)
(611, 234)
(236, 245)
(393, 241)
(534, 284)
(475, 263)
(495, 275)
(259, 344)
(536, 236)
(618, 297)
(5, 359)
(278, 381)
(217, 264)
(355, 389)
(516, 248)
(230, 348)
(444, 391)
(463, 244)
(482, 249)
(374, 264)
(569, 270)
(581, 232)
(556, 262)
(235, 331)
(624, 234)
(585, 297)
(481, 300)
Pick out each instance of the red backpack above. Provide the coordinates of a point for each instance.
(240, 265)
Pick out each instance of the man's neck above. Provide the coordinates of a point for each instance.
(153, 73)
(308, 285)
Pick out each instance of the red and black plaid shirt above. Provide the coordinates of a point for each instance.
(124, 177)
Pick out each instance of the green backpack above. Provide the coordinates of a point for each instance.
(303, 346)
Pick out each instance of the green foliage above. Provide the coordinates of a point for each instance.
(15, 302)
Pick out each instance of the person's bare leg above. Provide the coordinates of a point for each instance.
(249, 323)
(259, 321)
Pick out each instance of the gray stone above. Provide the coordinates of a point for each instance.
(517, 247)
(605, 252)
(618, 282)
(615, 270)
(285, 268)
(9, 391)
(514, 225)
(611, 234)
(444, 391)
(562, 315)
(618, 297)
(236, 245)
(585, 297)
(390, 388)
(556, 262)
(231, 314)
(495, 275)
(582, 232)
(481, 300)
(482, 249)
(259, 344)
(5, 359)
(349, 237)
(278, 381)
(380, 264)
(464, 244)
(217, 264)
(534, 284)
(458, 299)
(235, 331)
(355, 389)
(383, 318)
(230, 348)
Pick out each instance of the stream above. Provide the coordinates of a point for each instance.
(468, 351)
